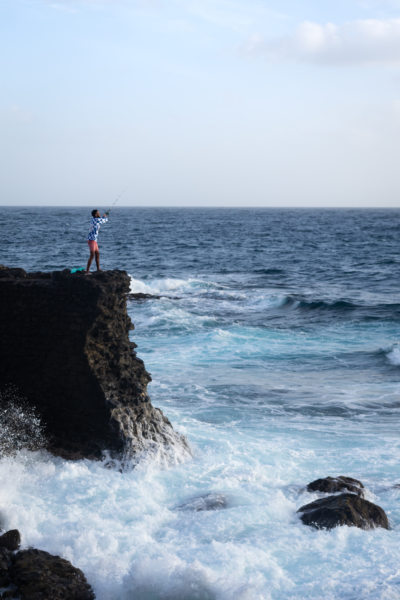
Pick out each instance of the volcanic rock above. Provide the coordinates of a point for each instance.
(64, 344)
(142, 296)
(10, 540)
(5, 563)
(331, 485)
(39, 575)
(344, 509)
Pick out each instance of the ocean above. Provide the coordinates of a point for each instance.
(275, 349)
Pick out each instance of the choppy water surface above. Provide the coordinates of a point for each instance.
(275, 348)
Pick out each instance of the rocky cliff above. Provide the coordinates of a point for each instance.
(64, 345)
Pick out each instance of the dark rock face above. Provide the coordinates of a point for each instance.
(344, 509)
(64, 344)
(38, 575)
(331, 485)
(10, 540)
(5, 563)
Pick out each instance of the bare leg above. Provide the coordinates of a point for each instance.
(91, 257)
(97, 254)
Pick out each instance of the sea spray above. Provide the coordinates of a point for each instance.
(20, 423)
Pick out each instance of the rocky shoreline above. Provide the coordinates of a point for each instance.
(66, 355)
(70, 383)
(345, 505)
(32, 574)
(65, 348)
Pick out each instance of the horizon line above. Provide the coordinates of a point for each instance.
(173, 206)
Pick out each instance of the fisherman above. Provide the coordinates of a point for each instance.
(95, 223)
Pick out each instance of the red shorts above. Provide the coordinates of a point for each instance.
(93, 247)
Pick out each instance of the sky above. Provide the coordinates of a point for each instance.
(200, 102)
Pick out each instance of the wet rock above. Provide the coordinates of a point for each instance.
(210, 501)
(331, 485)
(64, 345)
(5, 563)
(40, 576)
(344, 509)
(141, 296)
(10, 540)
(9, 594)
(12, 273)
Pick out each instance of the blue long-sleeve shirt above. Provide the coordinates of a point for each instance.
(94, 227)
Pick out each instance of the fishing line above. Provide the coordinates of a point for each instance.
(115, 202)
(110, 209)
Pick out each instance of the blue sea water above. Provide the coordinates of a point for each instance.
(275, 348)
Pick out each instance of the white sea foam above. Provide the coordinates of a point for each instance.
(156, 286)
(124, 531)
(168, 284)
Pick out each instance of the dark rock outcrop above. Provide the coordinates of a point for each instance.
(64, 344)
(142, 296)
(344, 509)
(39, 575)
(10, 540)
(331, 485)
(5, 564)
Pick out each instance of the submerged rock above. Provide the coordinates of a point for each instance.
(210, 501)
(64, 344)
(39, 575)
(331, 485)
(344, 509)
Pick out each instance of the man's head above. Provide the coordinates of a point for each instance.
(95, 213)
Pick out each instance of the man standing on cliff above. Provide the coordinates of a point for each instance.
(95, 223)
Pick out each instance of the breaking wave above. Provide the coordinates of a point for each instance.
(393, 356)
(167, 285)
(302, 303)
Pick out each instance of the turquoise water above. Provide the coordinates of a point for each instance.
(275, 349)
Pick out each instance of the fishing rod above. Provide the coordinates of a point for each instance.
(115, 202)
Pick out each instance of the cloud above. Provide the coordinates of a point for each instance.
(365, 42)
